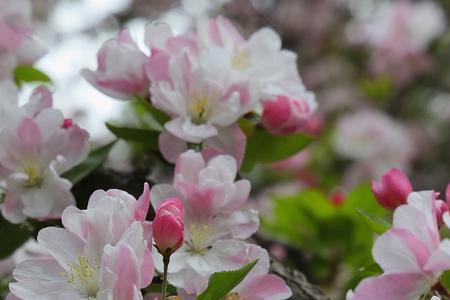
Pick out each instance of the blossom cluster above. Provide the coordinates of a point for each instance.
(37, 145)
(205, 81)
(102, 252)
(374, 140)
(105, 251)
(17, 46)
(216, 226)
(400, 33)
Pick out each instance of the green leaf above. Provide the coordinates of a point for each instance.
(445, 279)
(372, 269)
(12, 236)
(264, 148)
(379, 89)
(95, 159)
(362, 197)
(137, 135)
(222, 283)
(247, 126)
(26, 73)
(150, 116)
(377, 224)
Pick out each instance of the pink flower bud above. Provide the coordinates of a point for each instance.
(393, 189)
(337, 197)
(441, 208)
(67, 123)
(286, 115)
(168, 226)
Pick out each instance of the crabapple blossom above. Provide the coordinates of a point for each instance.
(400, 33)
(168, 226)
(205, 81)
(35, 149)
(259, 59)
(406, 25)
(258, 284)
(410, 253)
(102, 253)
(393, 189)
(16, 44)
(120, 72)
(214, 223)
(200, 104)
(373, 139)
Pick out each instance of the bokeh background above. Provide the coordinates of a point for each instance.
(381, 74)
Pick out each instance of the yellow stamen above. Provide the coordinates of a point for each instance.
(199, 108)
(240, 60)
(83, 274)
(199, 234)
(233, 296)
(33, 173)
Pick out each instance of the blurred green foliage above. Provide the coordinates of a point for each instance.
(331, 237)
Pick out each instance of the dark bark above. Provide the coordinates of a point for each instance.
(301, 288)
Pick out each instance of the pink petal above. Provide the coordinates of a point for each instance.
(171, 146)
(405, 286)
(128, 273)
(143, 204)
(400, 251)
(188, 166)
(264, 287)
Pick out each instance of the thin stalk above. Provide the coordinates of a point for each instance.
(166, 260)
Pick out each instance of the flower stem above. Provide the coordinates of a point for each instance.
(166, 260)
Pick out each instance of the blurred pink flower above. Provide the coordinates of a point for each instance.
(121, 72)
(374, 140)
(295, 163)
(16, 44)
(400, 33)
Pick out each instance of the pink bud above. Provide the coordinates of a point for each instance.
(287, 115)
(168, 226)
(67, 123)
(337, 197)
(441, 208)
(393, 189)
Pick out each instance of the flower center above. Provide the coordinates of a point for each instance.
(233, 296)
(199, 108)
(199, 234)
(83, 276)
(33, 173)
(240, 60)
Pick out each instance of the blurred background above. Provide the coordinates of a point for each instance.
(381, 74)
